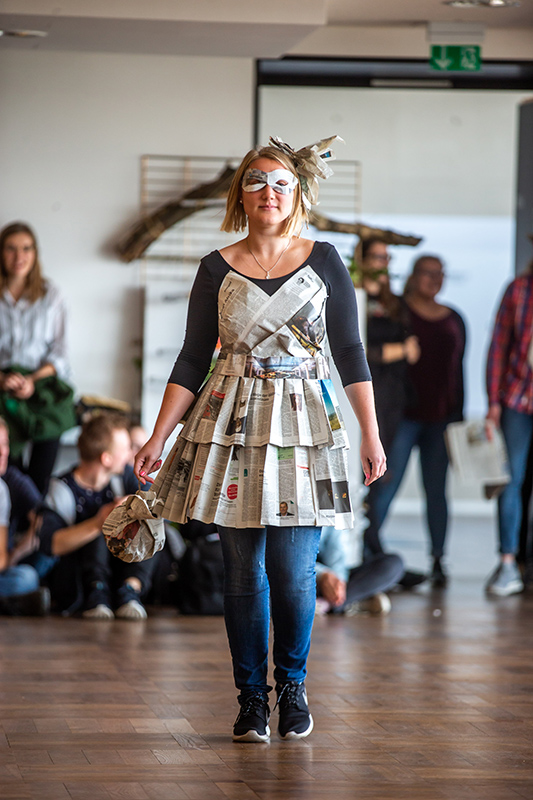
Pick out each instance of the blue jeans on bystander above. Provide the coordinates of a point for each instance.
(429, 437)
(17, 580)
(517, 430)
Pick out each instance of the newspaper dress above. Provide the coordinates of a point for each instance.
(264, 443)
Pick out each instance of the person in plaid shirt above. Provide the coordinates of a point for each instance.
(510, 396)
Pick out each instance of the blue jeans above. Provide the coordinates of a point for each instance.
(269, 568)
(41, 563)
(379, 574)
(429, 437)
(20, 579)
(517, 430)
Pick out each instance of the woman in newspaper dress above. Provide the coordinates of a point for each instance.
(263, 451)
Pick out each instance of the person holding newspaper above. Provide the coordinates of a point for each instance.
(265, 433)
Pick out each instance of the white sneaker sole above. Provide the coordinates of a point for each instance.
(515, 587)
(253, 736)
(131, 610)
(100, 611)
(294, 735)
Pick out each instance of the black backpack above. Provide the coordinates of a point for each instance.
(201, 571)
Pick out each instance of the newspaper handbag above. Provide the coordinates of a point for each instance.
(133, 531)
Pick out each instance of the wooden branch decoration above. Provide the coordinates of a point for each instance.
(151, 227)
(361, 230)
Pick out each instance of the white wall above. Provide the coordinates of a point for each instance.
(437, 164)
(422, 151)
(72, 129)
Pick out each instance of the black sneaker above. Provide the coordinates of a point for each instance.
(295, 721)
(32, 604)
(252, 723)
(411, 579)
(438, 578)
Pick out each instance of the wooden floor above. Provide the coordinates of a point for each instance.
(434, 701)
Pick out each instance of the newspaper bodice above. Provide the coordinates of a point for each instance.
(267, 424)
(291, 322)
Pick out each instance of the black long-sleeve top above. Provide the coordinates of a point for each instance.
(193, 362)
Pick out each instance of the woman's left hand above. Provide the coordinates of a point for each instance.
(26, 387)
(373, 459)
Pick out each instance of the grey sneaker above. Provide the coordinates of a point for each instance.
(377, 604)
(505, 580)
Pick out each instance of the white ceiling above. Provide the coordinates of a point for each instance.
(405, 12)
(161, 37)
(256, 29)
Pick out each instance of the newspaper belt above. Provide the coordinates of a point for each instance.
(245, 365)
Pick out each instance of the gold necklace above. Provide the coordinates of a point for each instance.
(268, 271)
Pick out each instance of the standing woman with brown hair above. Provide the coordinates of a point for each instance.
(436, 399)
(35, 399)
(266, 429)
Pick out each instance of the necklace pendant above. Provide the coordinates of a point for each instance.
(267, 272)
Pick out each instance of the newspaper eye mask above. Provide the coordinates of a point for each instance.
(281, 180)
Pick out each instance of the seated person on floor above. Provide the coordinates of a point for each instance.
(356, 590)
(20, 593)
(138, 437)
(85, 575)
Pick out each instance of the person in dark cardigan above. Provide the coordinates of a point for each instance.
(436, 399)
(391, 347)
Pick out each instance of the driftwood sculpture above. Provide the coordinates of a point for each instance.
(150, 228)
(361, 230)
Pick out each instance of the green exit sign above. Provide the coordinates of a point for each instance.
(455, 58)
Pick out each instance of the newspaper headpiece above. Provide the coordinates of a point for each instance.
(310, 163)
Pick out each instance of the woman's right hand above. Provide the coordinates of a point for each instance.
(15, 383)
(148, 459)
(332, 588)
(411, 348)
(492, 420)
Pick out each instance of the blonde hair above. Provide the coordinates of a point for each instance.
(35, 283)
(235, 218)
